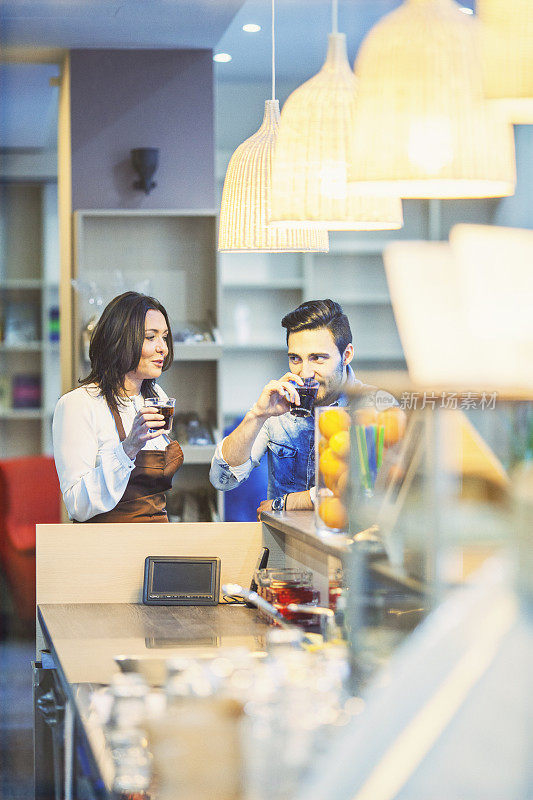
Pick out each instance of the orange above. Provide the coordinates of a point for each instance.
(340, 444)
(366, 416)
(342, 483)
(394, 421)
(331, 482)
(322, 445)
(333, 512)
(332, 421)
(330, 466)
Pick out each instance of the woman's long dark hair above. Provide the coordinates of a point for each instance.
(117, 342)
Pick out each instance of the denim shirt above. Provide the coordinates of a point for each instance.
(289, 442)
(290, 453)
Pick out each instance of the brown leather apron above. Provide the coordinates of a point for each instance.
(144, 498)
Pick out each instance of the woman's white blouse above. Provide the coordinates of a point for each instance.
(91, 463)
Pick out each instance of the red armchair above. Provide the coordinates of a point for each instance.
(29, 493)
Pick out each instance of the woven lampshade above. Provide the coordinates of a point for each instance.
(423, 127)
(507, 48)
(246, 198)
(499, 306)
(309, 174)
(461, 321)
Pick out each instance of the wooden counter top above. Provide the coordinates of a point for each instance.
(86, 637)
(301, 525)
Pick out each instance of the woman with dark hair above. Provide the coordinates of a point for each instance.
(113, 462)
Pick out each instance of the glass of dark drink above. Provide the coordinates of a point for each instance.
(164, 406)
(281, 587)
(308, 393)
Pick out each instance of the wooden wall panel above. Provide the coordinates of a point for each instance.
(99, 563)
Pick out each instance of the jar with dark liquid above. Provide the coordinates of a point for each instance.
(281, 587)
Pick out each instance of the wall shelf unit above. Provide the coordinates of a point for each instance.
(171, 255)
(257, 290)
(29, 316)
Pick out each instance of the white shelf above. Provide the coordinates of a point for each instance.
(136, 212)
(251, 346)
(393, 355)
(367, 300)
(271, 284)
(21, 413)
(23, 347)
(198, 454)
(370, 247)
(198, 351)
(10, 284)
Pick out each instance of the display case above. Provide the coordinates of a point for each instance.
(442, 502)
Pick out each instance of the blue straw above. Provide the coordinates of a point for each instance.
(371, 449)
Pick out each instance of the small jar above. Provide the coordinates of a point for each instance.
(126, 737)
(281, 587)
(129, 691)
(336, 585)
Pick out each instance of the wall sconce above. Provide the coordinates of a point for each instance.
(145, 161)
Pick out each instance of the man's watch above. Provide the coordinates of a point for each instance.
(278, 503)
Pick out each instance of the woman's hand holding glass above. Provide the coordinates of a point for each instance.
(148, 424)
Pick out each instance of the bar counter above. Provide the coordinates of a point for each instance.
(294, 540)
(89, 590)
(83, 640)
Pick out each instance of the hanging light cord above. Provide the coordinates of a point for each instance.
(335, 16)
(273, 56)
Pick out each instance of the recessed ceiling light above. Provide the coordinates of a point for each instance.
(466, 10)
(251, 27)
(222, 57)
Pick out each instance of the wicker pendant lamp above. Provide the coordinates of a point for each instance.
(460, 324)
(423, 127)
(246, 197)
(507, 48)
(309, 175)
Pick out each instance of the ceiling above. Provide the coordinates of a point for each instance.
(29, 102)
(116, 23)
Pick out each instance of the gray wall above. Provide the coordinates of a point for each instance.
(121, 99)
(517, 211)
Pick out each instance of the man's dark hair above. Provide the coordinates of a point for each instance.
(117, 343)
(320, 314)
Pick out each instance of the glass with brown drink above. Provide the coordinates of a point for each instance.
(308, 393)
(164, 406)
